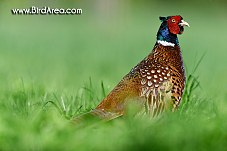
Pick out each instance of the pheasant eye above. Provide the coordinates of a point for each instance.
(173, 20)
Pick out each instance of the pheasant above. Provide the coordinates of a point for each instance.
(157, 82)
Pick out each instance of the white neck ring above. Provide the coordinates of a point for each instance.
(165, 43)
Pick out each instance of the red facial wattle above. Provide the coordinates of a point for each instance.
(176, 25)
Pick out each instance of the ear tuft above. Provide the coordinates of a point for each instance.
(162, 18)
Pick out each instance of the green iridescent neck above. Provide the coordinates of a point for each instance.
(164, 35)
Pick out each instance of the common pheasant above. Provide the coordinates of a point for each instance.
(157, 82)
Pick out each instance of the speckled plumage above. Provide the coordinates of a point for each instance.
(157, 82)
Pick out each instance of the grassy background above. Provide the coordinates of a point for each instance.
(64, 60)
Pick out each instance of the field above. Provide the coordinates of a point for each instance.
(54, 67)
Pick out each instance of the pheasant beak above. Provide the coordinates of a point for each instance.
(183, 23)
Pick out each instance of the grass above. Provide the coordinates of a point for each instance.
(36, 120)
(53, 68)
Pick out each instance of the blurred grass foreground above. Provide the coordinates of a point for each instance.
(54, 67)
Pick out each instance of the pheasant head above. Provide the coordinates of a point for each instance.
(170, 27)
